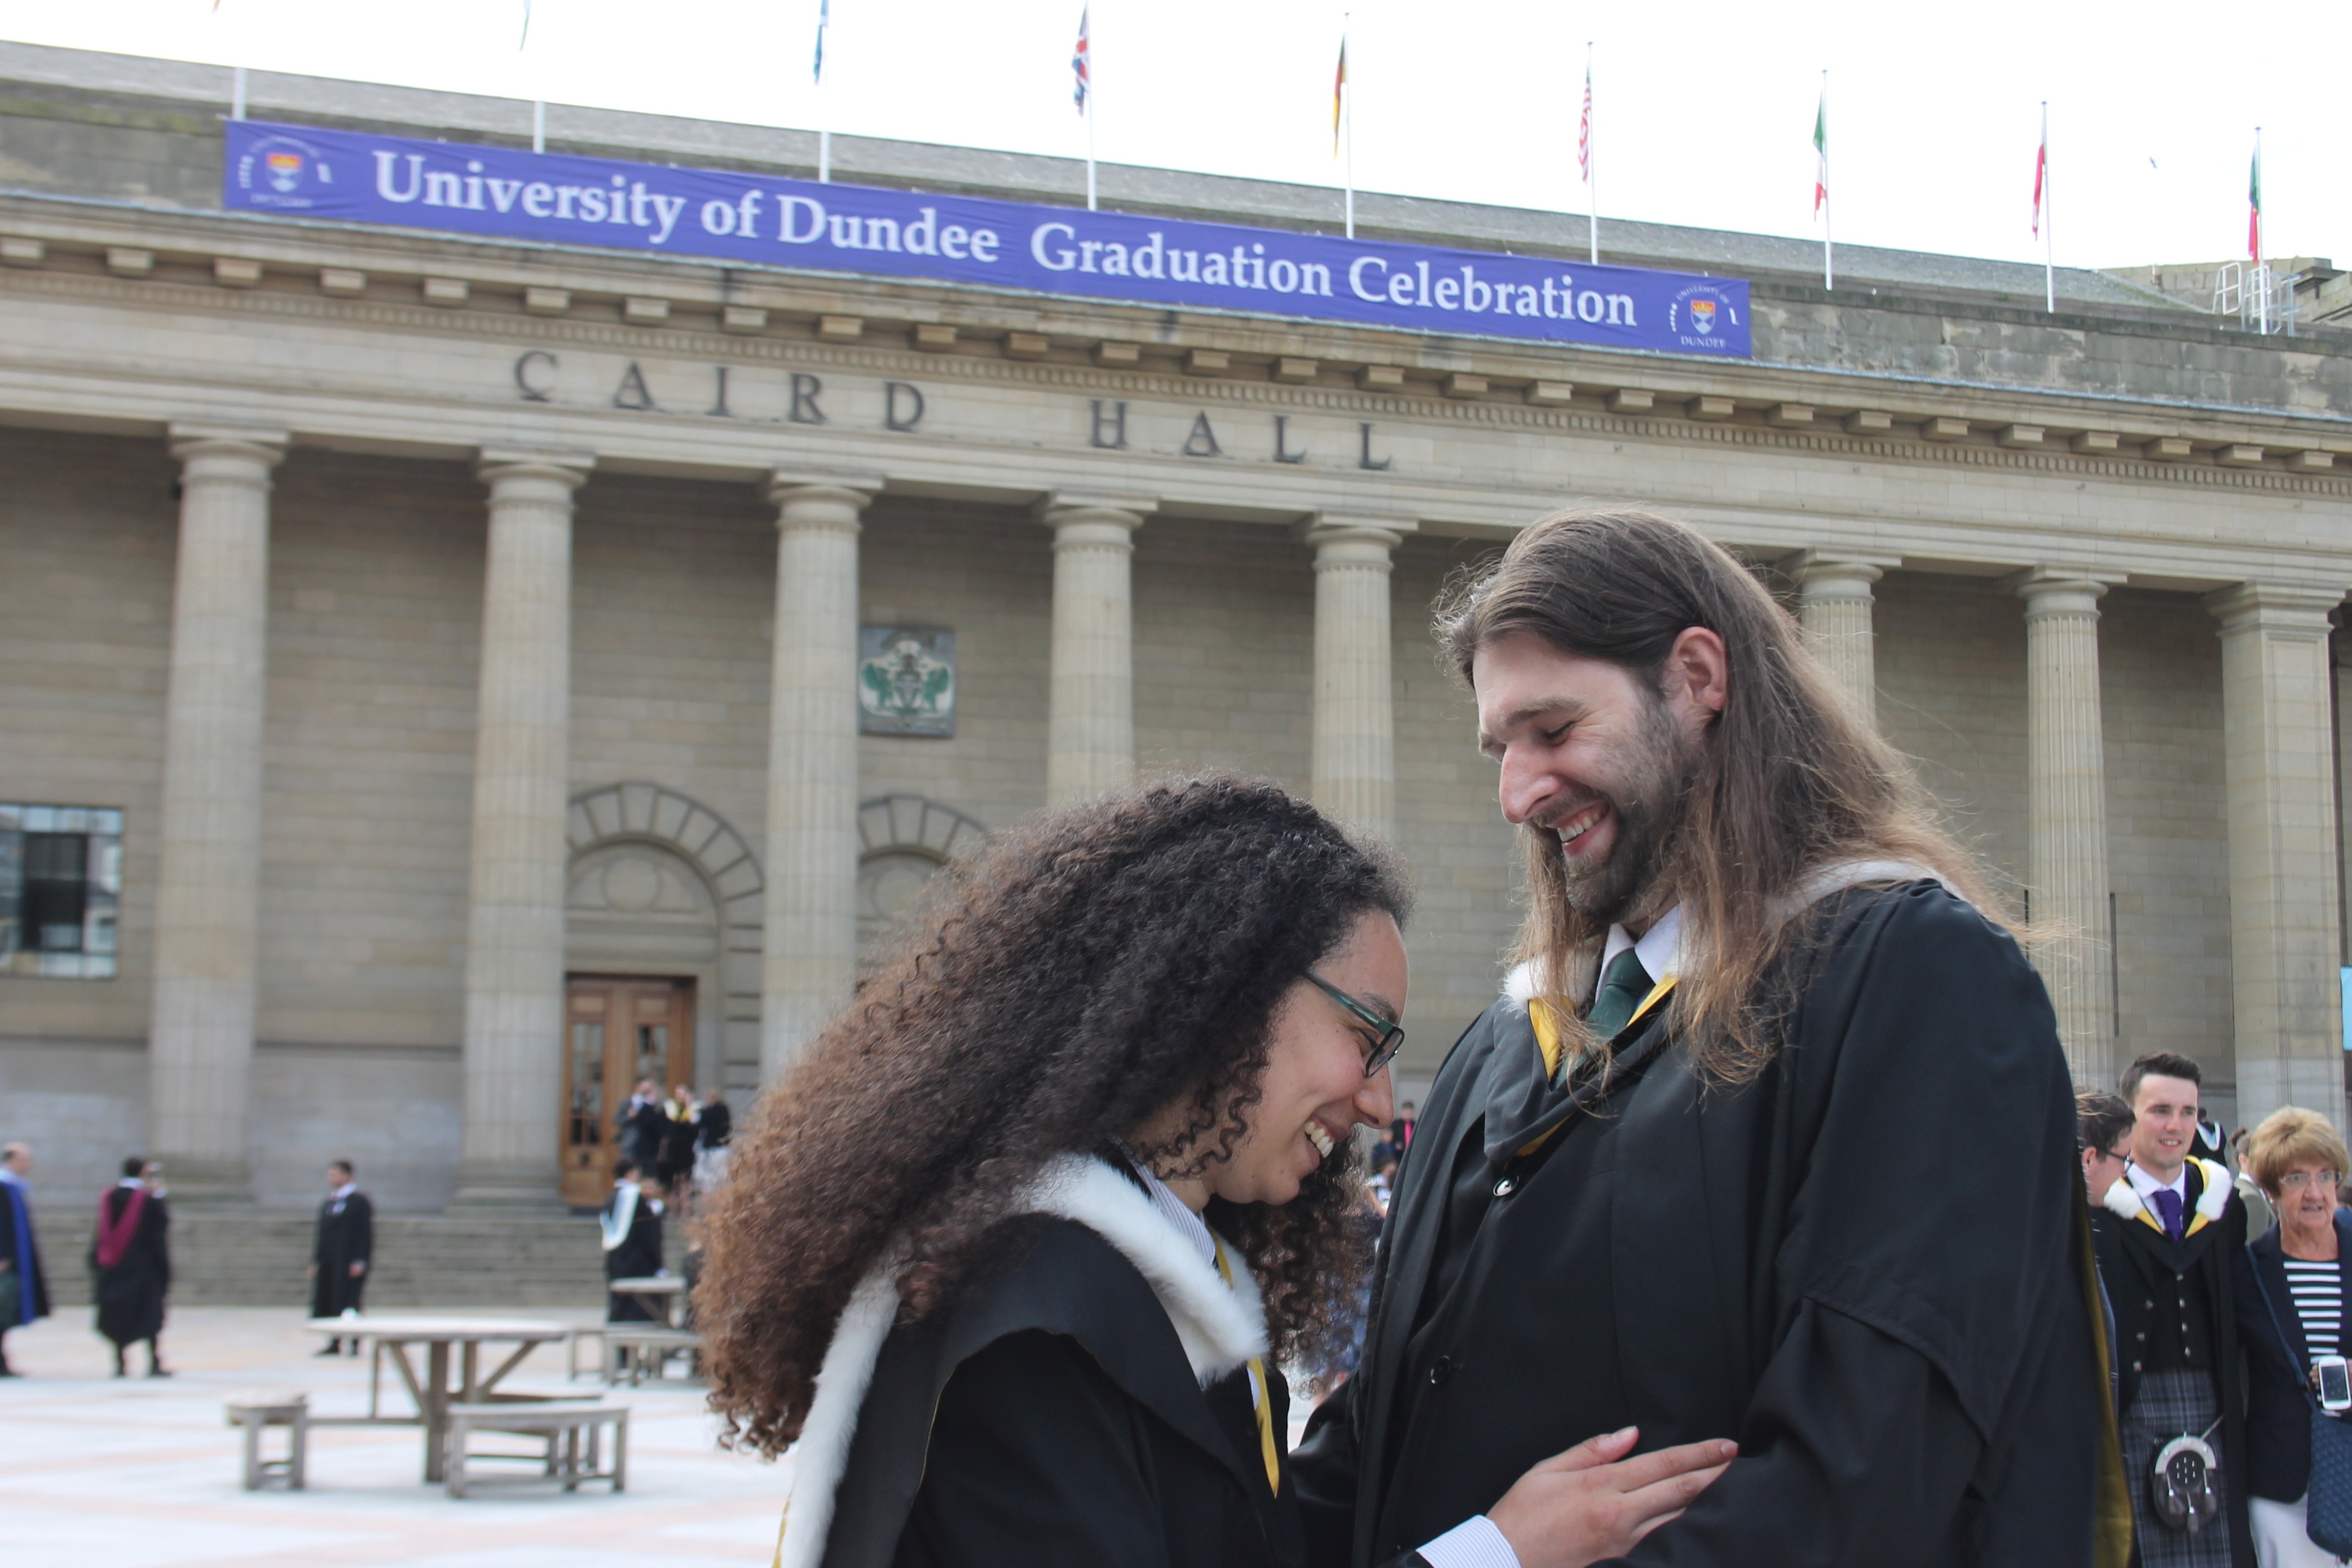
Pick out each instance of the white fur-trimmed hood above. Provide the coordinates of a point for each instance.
(1520, 986)
(2124, 1200)
(1221, 1327)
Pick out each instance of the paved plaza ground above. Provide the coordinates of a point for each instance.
(140, 1473)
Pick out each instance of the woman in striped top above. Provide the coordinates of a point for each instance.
(2291, 1286)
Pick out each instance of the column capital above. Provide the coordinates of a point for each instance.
(785, 486)
(2274, 606)
(2059, 590)
(568, 469)
(255, 443)
(1061, 508)
(1329, 530)
(1818, 571)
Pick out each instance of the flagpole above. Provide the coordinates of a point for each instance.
(824, 132)
(2261, 273)
(1347, 119)
(1592, 168)
(237, 93)
(2049, 221)
(1828, 263)
(1086, 39)
(539, 125)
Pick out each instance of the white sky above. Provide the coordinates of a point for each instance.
(1704, 109)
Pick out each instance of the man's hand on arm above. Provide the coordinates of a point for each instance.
(1582, 1507)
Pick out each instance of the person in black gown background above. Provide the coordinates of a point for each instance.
(632, 1223)
(342, 1250)
(1770, 1137)
(131, 1257)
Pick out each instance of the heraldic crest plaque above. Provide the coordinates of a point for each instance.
(906, 680)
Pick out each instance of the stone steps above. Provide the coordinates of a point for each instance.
(255, 1258)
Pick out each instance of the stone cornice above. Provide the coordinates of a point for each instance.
(1167, 386)
(700, 286)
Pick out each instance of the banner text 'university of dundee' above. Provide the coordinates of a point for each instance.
(548, 198)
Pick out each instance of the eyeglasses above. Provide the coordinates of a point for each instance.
(2295, 1181)
(1392, 1034)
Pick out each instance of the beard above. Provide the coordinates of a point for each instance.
(1649, 802)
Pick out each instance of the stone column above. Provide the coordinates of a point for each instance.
(809, 945)
(1090, 704)
(514, 918)
(2066, 811)
(200, 1035)
(1834, 606)
(1355, 719)
(2278, 745)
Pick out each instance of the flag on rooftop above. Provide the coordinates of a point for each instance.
(823, 15)
(2254, 203)
(1584, 128)
(1821, 152)
(1338, 94)
(2041, 172)
(1083, 82)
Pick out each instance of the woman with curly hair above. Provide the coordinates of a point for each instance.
(1015, 1252)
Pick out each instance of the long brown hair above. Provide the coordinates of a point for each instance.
(1788, 781)
(1085, 971)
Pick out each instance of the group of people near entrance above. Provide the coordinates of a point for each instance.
(1744, 1227)
(2219, 1341)
(131, 1257)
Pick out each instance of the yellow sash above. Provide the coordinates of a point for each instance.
(1547, 1023)
(1266, 1445)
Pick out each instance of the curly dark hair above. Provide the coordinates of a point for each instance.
(1086, 969)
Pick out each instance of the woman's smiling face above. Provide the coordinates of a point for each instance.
(1314, 1093)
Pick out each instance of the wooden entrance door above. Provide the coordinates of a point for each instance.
(617, 1031)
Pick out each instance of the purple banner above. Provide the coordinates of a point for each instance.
(761, 220)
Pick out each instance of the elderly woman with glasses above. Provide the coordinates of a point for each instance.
(1015, 1256)
(2293, 1308)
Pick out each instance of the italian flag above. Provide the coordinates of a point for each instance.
(1821, 152)
(2254, 207)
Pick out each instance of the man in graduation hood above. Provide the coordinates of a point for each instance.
(1770, 1137)
(2167, 1235)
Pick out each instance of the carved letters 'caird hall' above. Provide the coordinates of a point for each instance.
(445, 674)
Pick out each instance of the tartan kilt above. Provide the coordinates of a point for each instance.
(2170, 1405)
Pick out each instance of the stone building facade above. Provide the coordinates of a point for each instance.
(464, 635)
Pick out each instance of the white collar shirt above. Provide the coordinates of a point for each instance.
(2148, 1187)
(1660, 949)
(1177, 1213)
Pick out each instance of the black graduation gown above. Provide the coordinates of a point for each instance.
(342, 1239)
(639, 1257)
(1869, 1265)
(1050, 1419)
(718, 1124)
(24, 1260)
(2147, 1273)
(2278, 1404)
(131, 1294)
(674, 1162)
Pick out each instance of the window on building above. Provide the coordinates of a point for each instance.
(60, 883)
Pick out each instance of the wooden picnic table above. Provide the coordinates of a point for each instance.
(659, 1294)
(432, 1391)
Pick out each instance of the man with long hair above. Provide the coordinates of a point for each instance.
(1770, 1138)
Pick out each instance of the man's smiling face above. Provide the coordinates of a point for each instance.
(1593, 760)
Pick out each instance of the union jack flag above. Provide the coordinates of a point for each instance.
(1082, 81)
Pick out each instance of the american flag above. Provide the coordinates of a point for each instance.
(1083, 81)
(1584, 128)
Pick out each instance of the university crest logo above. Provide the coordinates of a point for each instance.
(1699, 314)
(905, 681)
(282, 172)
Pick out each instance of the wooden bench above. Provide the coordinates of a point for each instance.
(257, 1413)
(572, 1433)
(638, 1350)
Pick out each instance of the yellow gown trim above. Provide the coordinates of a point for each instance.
(1268, 1447)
